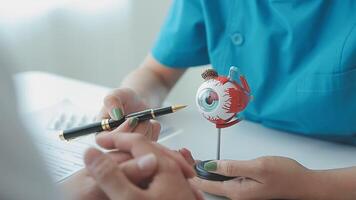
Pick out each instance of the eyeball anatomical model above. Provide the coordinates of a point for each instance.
(221, 98)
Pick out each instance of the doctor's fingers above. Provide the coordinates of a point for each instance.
(235, 168)
(150, 129)
(199, 195)
(109, 177)
(113, 107)
(121, 101)
(128, 126)
(156, 130)
(146, 128)
(237, 189)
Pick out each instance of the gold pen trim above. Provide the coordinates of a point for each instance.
(108, 128)
(153, 114)
(103, 124)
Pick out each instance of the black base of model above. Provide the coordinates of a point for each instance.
(203, 174)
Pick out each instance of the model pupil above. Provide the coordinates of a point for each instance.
(208, 100)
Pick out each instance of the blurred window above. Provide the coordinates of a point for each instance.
(16, 10)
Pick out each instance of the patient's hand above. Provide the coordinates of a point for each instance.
(141, 170)
(153, 173)
(124, 101)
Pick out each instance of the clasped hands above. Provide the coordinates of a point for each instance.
(137, 168)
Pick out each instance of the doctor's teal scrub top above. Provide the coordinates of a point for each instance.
(299, 57)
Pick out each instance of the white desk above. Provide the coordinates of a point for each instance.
(245, 141)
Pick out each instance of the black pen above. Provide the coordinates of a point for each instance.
(109, 124)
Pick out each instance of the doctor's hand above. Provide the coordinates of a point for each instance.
(124, 101)
(153, 173)
(261, 178)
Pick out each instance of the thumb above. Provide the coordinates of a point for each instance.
(232, 168)
(107, 175)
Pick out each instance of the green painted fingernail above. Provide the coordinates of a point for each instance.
(133, 122)
(211, 166)
(117, 113)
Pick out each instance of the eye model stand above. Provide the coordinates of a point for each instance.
(218, 144)
(224, 89)
(203, 174)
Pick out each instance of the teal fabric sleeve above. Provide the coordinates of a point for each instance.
(181, 42)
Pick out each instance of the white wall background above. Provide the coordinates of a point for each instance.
(98, 41)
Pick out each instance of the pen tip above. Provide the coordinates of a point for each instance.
(178, 107)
